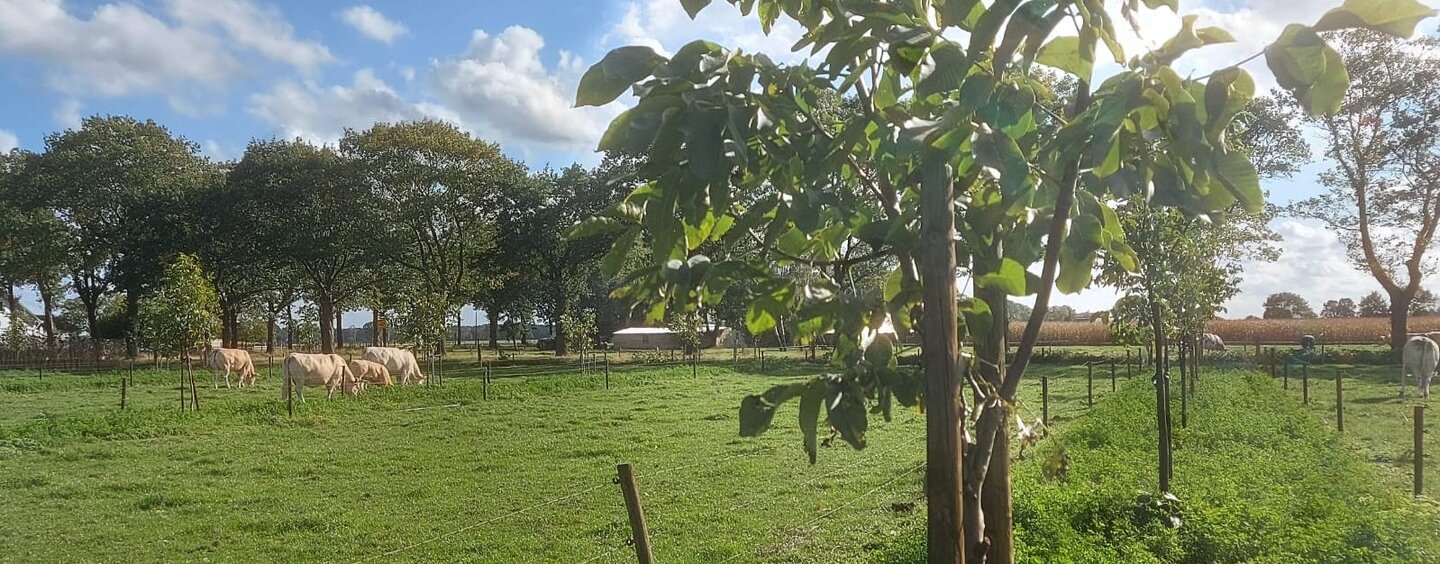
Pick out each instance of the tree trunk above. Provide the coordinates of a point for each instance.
(458, 328)
(327, 329)
(270, 335)
(289, 326)
(47, 316)
(1399, 318)
(374, 327)
(989, 470)
(1162, 393)
(492, 318)
(945, 413)
(132, 311)
(339, 328)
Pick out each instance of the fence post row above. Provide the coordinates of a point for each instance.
(640, 534)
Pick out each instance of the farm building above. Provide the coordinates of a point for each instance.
(665, 339)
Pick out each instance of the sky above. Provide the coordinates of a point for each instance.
(224, 72)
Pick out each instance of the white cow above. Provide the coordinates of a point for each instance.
(219, 360)
(399, 362)
(1419, 359)
(1211, 342)
(329, 370)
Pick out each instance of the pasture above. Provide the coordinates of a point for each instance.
(439, 474)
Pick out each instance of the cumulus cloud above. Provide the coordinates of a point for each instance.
(67, 114)
(8, 141)
(373, 24)
(182, 50)
(321, 114)
(501, 83)
(664, 26)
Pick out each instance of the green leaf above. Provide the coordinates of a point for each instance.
(594, 225)
(1010, 278)
(1064, 53)
(1394, 17)
(1227, 94)
(945, 75)
(1238, 175)
(756, 412)
(845, 407)
(810, 415)
(1305, 65)
(693, 7)
(977, 315)
(620, 68)
(961, 13)
(614, 259)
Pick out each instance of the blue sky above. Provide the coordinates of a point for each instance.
(223, 72)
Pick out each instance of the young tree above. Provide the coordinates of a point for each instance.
(1287, 305)
(1341, 308)
(182, 312)
(1374, 305)
(957, 149)
(329, 233)
(1383, 197)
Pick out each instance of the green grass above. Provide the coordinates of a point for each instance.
(1379, 425)
(1258, 476)
(350, 479)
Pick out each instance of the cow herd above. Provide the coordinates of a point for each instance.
(375, 366)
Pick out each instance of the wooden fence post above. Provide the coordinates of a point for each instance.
(1045, 400)
(607, 368)
(1287, 374)
(289, 396)
(1089, 385)
(1129, 367)
(1339, 402)
(485, 384)
(1112, 375)
(1419, 449)
(640, 535)
(1305, 384)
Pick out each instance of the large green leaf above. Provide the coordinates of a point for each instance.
(1305, 65)
(693, 7)
(1226, 95)
(1064, 53)
(594, 225)
(757, 411)
(1394, 17)
(1010, 278)
(845, 408)
(810, 400)
(614, 259)
(620, 68)
(1238, 175)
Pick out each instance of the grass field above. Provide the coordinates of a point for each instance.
(1259, 478)
(523, 477)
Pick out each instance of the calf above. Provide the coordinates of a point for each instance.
(327, 370)
(370, 372)
(399, 362)
(1419, 359)
(227, 361)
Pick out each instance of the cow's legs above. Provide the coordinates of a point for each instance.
(227, 376)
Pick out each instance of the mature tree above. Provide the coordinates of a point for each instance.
(35, 245)
(442, 188)
(182, 312)
(1343, 307)
(1287, 305)
(1383, 197)
(1423, 303)
(1060, 313)
(945, 126)
(555, 202)
(329, 232)
(123, 187)
(231, 249)
(1374, 305)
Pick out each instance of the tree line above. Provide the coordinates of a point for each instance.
(409, 220)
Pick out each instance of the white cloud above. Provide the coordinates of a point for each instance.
(373, 24)
(664, 26)
(8, 141)
(501, 83)
(186, 52)
(67, 114)
(320, 114)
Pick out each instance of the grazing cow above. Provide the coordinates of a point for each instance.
(1419, 359)
(370, 372)
(399, 362)
(327, 370)
(230, 360)
(1211, 342)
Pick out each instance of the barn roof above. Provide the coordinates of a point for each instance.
(644, 331)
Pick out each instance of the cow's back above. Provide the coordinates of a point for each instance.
(399, 362)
